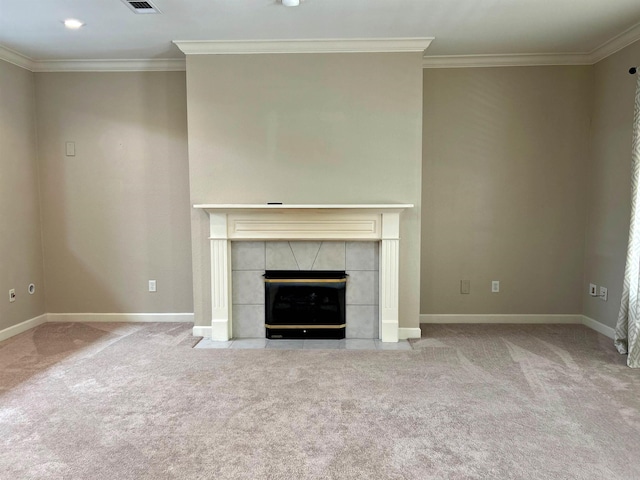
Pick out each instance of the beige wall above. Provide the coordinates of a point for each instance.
(20, 235)
(504, 176)
(305, 128)
(609, 187)
(116, 214)
(511, 181)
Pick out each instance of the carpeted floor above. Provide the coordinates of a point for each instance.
(117, 402)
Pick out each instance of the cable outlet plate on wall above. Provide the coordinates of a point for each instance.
(12, 295)
(603, 294)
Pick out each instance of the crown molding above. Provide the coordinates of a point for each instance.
(506, 60)
(356, 45)
(608, 48)
(616, 44)
(148, 65)
(15, 58)
(361, 45)
(151, 65)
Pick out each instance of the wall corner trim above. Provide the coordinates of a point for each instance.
(598, 327)
(616, 44)
(205, 331)
(502, 318)
(120, 317)
(143, 65)
(404, 333)
(93, 65)
(96, 317)
(507, 60)
(599, 53)
(16, 58)
(521, 319)
(320, 45)
(202, 331)
(22, 326)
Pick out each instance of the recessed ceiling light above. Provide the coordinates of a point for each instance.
(290, 3)
(73, 24)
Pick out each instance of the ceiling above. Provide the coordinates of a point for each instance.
(460, 27)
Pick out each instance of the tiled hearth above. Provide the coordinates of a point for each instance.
(249, 260)
(346, 344)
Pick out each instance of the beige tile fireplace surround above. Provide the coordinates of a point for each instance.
(250, 260)
(358, 223)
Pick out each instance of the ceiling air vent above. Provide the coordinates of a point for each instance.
(141, 7)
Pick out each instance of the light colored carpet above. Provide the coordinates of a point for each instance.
(108, 401)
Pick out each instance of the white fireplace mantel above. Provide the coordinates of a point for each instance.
(360, 222)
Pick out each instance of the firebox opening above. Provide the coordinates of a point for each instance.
(305, 304)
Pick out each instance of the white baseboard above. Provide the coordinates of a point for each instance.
(22, 326)
(598, 327)
(95, 317)
(205, 331)
(120, 317)
(202, 331)
(405, 333)
(519, 319)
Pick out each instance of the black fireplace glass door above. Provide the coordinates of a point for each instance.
(305, 307)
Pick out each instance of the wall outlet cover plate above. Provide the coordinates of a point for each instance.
(603, 294)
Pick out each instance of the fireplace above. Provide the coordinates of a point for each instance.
(263, 222)
(305, 304)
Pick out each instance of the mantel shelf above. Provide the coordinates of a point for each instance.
(263, 207)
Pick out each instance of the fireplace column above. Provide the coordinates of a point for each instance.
(220, 277)
(389, 277)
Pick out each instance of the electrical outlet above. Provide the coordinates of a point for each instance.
(603, 294)
(152, 285)
(465, 287)
(12, 295)
(495, 286)
(593, 290)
